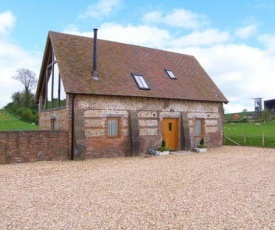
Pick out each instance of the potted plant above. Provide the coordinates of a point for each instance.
(162, 150)
(201, 148)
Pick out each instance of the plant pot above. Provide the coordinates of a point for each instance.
(159, 153)
(200, 150)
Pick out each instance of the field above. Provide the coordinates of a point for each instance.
(9, 122)
(251, 135)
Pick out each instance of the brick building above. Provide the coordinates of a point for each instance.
(118, 99)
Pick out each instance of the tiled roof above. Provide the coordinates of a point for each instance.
(115, 63)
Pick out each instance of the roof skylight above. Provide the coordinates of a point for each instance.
(140, 81)
(170, 74)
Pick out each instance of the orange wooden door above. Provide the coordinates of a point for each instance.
(170, 132)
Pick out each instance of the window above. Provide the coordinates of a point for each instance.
(198, 127)
(54, 95)
(140, 81)
(113, 127)
(170, 74)
(53, 124)
(170, 126)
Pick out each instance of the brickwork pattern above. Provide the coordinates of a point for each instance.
(150, 114)
(27, 146)
(97, 109)
(60, 116)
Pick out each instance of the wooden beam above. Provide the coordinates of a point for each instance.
(52, 79)
(59, 85)
(51, 64)
(46, 89)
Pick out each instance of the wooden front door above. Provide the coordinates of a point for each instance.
(170, 132)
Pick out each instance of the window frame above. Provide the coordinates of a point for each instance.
(201, 127)
(53, 124)
(118, 119)
(52, 97)
(140, 80)
(170, 74)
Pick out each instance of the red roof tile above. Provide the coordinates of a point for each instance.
(115, 63)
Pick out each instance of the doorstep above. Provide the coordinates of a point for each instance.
(180, 152)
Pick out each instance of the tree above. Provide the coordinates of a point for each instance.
(17, 98)
(29, 80)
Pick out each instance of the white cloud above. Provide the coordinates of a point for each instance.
(240, 71)
(177, 18)
(153, 16)
(137, 35)
(12, 57)
(268, 41)
(246, 32)
(207, 37)
(101, 8)
(73, 29)
(7, 20)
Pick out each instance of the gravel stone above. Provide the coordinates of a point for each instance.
(224, 188)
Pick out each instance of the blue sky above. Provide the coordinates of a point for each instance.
(233, 40)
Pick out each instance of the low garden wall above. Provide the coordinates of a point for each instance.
(28, 146)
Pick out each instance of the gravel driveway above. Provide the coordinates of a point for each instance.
(225, 188)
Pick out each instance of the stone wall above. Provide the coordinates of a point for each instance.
(27, 146)
(60, 116)
(92, 112)
(96, 110)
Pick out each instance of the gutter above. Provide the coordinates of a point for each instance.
(72, 128)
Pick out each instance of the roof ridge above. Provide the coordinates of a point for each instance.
(122, 43)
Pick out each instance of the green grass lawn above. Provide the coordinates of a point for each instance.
(9, 122)
(253, 134)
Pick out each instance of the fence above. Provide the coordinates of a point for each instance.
(246, 139)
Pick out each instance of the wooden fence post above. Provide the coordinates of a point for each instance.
(263, 139)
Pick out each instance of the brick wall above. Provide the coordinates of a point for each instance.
(26, 146)
(96, 110)
(92, 112)
(60, 116)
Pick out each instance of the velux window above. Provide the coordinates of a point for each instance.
(170, 74)
(139, 79)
